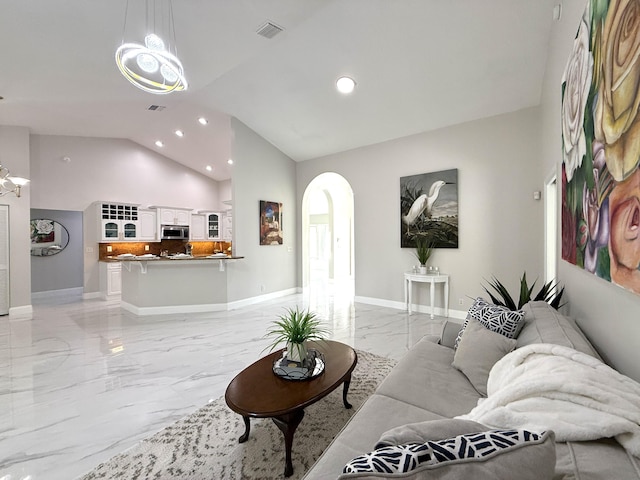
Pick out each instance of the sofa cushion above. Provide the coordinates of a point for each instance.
(376, 416)
(431, 430)
(496, 318)
(490, 455)
(603, 459)
(478, 351)
(424, 377)
(544, 324)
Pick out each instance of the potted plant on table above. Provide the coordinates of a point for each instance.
(294, 328)
(424, 249)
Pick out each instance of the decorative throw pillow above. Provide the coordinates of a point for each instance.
(496, 318)
(478, 351)
(491, 455)
(430, 430)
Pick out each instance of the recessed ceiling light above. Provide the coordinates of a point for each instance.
(208, 168)
(179, 133)
(345, 85)
(203, 121)
(159, 143)
(230, 162)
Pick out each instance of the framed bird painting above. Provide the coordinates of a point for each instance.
(429, 209)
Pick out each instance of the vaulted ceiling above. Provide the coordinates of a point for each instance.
(419, 65)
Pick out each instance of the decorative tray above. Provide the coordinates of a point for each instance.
(309, 368)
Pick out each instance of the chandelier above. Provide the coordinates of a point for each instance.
(9, 184)
(153, 67)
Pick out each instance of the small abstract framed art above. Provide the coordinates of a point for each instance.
(270, 223)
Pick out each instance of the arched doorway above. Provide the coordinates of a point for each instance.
(327, 239)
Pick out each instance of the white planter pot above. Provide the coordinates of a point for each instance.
(296, 352)
(423, 269)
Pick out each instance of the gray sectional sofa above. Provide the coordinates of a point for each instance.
(425, 386)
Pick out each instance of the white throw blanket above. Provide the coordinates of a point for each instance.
(550, 387)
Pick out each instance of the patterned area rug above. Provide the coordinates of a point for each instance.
(205, 443)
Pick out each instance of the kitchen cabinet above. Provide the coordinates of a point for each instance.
(148, 225)
(198, 229)
(227, 226)
(211, 225)
(174, 216)
(110, 279)
(118, 221)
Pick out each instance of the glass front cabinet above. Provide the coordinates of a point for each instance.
(118, 221)
(213, 226)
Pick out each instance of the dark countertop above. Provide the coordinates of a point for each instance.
(165, 259)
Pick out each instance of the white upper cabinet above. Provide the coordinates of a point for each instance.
(197, 230)
(174, 216)
(227, 226)
(118, 221)
(148, 225)
(212, 225)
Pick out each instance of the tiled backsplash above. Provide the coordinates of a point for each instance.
(172, 246)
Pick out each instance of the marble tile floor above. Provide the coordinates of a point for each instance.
(85, 380)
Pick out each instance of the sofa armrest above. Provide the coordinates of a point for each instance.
(449, 333)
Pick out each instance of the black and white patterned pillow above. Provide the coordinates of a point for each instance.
(476, 446)
(496, 318)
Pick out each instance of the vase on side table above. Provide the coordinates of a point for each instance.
(296, 352)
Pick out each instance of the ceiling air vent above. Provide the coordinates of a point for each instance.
(156, 108)
(269, 30)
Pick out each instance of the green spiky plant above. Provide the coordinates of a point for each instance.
(294, 328)
(548, 293)
(424, 249)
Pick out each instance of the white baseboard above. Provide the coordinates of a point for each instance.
(212, 307)
(381, 302)
(245, 302)
(62, 293)
(173, 309)
(91, 295)
(22, 312)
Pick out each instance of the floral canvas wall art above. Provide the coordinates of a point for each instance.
(601, 144)
(42, 231)
(429, 209)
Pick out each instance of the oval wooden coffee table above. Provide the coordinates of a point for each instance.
(258, 392)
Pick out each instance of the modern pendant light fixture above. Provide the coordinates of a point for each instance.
(9, 184)
(153, 67)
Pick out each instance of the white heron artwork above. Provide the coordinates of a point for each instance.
(429, 208)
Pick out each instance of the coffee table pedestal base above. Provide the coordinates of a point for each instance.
(288, 424)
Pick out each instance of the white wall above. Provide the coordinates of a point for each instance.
(224, 193)
(111, 169)
(14, 154)
(607, 313)
(500, 224)
(261, 172)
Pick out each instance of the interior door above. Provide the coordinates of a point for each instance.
(4, 259)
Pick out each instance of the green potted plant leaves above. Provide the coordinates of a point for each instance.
(424, 249)
(548, 293)
(294, 328)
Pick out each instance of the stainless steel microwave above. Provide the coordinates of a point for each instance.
(174, 232)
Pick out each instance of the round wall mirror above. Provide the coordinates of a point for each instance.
(48, 237)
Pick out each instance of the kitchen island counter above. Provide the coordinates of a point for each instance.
(160, 285)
